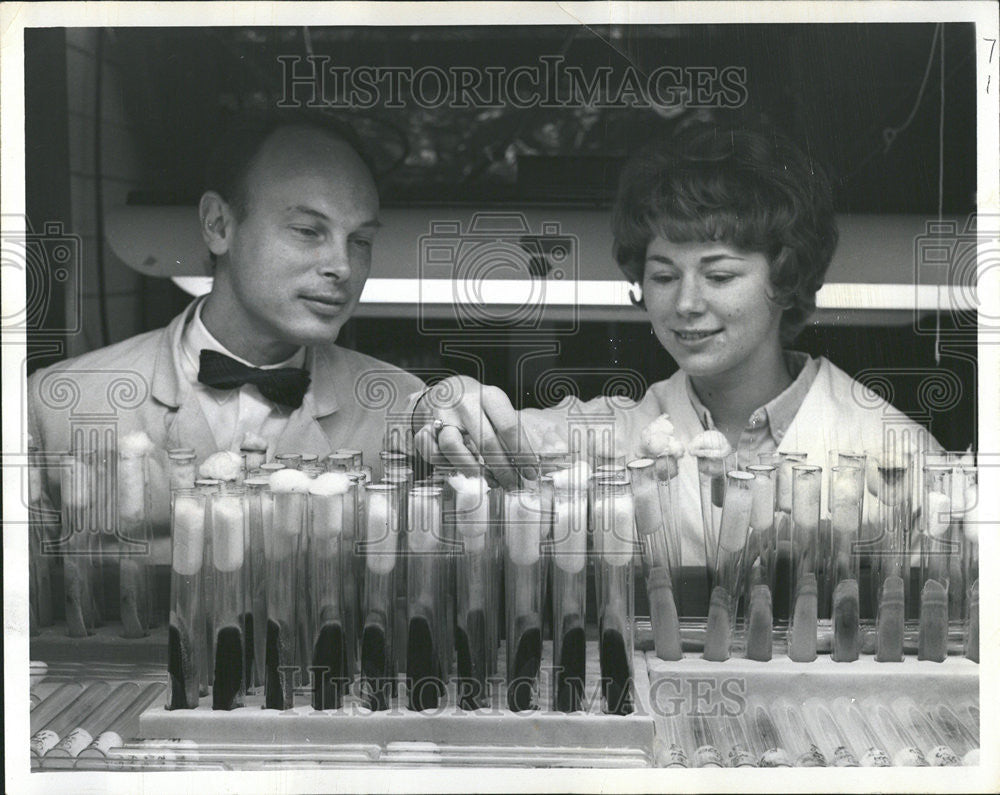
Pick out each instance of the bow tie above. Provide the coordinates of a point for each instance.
(284, 385)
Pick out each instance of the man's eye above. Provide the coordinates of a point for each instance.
(362, 242)
(305, 231)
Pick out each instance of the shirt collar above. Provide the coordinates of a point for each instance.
(197, 337)
(778, 413)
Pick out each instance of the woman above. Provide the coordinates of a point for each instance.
(726, 236)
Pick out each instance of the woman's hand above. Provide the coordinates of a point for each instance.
(463, 423)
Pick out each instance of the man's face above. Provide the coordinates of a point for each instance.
(297, 262)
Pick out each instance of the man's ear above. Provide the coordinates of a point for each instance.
(217, 222)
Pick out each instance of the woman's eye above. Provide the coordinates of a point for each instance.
(721, 278)
(662, 278)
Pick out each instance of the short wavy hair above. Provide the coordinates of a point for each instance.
(749, 187)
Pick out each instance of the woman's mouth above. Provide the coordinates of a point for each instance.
(694, 336)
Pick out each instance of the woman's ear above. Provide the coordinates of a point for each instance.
(635, 294)
(216, 222)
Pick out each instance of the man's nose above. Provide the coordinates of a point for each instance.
(335, 262)
(690, 299)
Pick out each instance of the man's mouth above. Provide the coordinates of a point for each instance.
(325, 304)
(694, 336)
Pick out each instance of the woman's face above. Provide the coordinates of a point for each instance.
(710, 308)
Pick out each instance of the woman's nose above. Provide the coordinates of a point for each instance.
(690, 299)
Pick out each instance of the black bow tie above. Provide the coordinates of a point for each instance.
(284, 385)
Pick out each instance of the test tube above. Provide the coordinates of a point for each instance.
(380, 550)
(187, 616)
(282, 542)
(668, 486)
(111, 735)
(255, 620)
(833, 741)
(802, 742)
(331, 508)
(735, 742)
(426, 590)
(289, 460)
(959, 737)
(967, 478)
(523, 518)
(658, 553)
(936, 750)
(759, 562)
(827, 582)
(935, 557)
(135, 536)
(889, 482)
(227, 545)
(706, 744)
(49, 736)
(866, 743)
(901, 745)
(473, 512)
(253, 457)
(181, 467)
(40, 581)
(78, 476)
(845, 495)
(807, 481)
(712, 486)
(733, 531)
(92, 724)
(569, 590)
(781, 589)
(768, 744)
(613, 519)
(339, 461)
(53, 704)
(669, 750)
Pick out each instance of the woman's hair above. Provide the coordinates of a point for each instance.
(752, 189)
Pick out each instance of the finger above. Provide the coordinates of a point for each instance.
(510, 431)
(452, 446)
(423, 441)
(496, 458)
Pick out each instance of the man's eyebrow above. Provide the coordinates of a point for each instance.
(373, 223)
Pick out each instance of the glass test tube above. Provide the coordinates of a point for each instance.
(889, 482)
(282, 540)
(227, 543)
(807, 481)
(712, 486)
(706, 751)
(832, 740)
(900, 744)
(569, 594)
(781, 591)
(728, 576)
(522, 534)
(135, 535)
(864, 741)
(967, 478)
(758, 566)
(40, 579)
(936, 554)
(289, 460)
(660, 551)
(936, 750)
(331, 510)
(613, 518)
(670, 750)
(92, 724)
(845, 496)
(768, 744)
(255, 621)
(339, 462)
(186, 640)
(82, 543)
(735, 743)
(958, 736)
(181, 467)
(49, 736)
(253, 457)
(380, 552)
(801, 742)
(426, 586)
(474, 507)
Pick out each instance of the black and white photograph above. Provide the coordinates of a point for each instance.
(489, 396)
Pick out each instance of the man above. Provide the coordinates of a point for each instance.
(289, 216)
